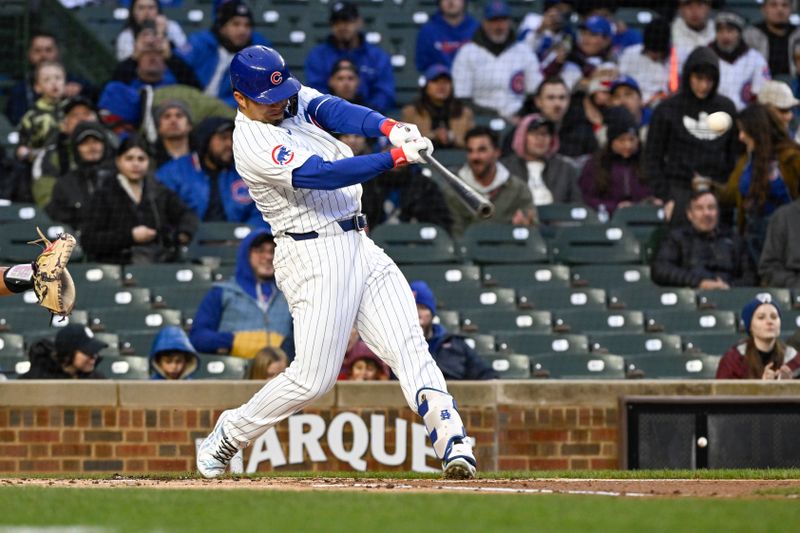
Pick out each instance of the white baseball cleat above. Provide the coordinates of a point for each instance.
(216, 451)
(460, 463)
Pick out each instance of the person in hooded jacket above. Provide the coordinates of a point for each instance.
(172, 356)
(452, 354)
(680, 145)
(73, 355)
(133, 218)
(207, 181)
(92, 151)
(240, 316)
(210, 52)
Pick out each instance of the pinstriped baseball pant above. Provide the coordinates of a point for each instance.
(331, 283)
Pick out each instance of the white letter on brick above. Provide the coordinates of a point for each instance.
(298, 439)
(378, 438)
(360, 440)
(267, 447)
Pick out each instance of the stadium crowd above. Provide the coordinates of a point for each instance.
(592, 111)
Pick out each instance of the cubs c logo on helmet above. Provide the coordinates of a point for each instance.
(282, 155)
(276, 77)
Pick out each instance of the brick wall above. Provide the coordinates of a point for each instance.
(147, 427)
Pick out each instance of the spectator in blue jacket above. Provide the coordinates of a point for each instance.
(209, 52)
(455, 358)
(447, 30)
(206, 180)
(172, 356)
(245, 314)
(346, 41)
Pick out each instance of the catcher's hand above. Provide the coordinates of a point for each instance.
(51, 281)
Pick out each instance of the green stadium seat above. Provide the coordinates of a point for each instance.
(480, 343)
(595, 245)
(11, 212)
(16, 236)
(535, 343)
(32, 317)
(488, 320)
(217, 242)
(641, 219)
(650, 298)
(448, 318)
(608, 276)
(223, 272)
(11, 367)
(672, 366)
(691, 321)
(160, 275)
(790, 319)
(444, 275)
(185, 298)
(590, 321)
(577, 366)
(97, 296)
(131, 318)
(12, 345)
(124, 367)
(553, 298)
(415, 243)
(565, 215)
(462, 298)
(636, 344)
(490, 243)
(451, 158)
(87, 275)
(735, 298)
(222, 367)
(509, 366)
(526, 276)
(710, 343)
(136, 342)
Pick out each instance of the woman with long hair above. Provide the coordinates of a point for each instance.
(438, 114)
(140, 11)
(133, 218)
(766, 177)
(614, 176)
(763, 355)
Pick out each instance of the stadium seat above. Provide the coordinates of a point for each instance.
(509, 366)
(672, 366)
(184, 298)
(710, 343)
(16, 236)
(160, 275)
(223, 272)
(640, 219)
(636, 344)
(646, 297)
(526, 276)
(444, 275)
(577, 366)
(608, 276)
(451, 158)
(562, 215)
(735, 298)
(415, 243)
(448, 318)
(553, 298)
(488, 320)
(11, 212)
(11, 367)
(490, 243)
(462, 298)
(481, 343)
(216, 242)
(595, 245)
(88, 275)
(534, 343)
(124, 318)
(97, 296)
(790, 319)
(222, 367)
(33, 317)
(136, 342)
(591, 321)
(11, 345)
(691, 321)
(124, 367)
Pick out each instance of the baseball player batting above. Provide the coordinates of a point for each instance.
(307, 184)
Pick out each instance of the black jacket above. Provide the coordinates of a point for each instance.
(576, 132)
(106, 234)
(45, 365)
(678, 145)
(418, 199)
(455, 358)
(686, 257)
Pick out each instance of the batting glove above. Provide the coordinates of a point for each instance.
(399, 133)
(410, 151)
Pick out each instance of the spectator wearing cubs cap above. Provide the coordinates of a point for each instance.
(447, 30)
(592, 50)
(625, 92)
(210, 52)
(450, 351)
(73, 355)
(347, 41)
(763, 355)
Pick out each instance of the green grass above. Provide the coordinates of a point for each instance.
(124, 509)
(745, 473)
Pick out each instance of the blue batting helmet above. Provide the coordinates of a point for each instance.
(260, 73)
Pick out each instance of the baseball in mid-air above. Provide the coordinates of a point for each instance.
(719, 122)
(702, 442)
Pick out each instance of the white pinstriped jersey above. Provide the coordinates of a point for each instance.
(265, 156)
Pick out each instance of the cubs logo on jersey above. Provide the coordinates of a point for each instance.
(281, 155)
(517, 84)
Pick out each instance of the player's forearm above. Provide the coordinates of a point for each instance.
(336, 114)
(317, 173)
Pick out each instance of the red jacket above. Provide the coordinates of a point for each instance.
(733, 364)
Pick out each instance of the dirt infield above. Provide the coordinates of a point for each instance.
(672, 488)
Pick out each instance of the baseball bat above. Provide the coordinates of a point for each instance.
(471, 198)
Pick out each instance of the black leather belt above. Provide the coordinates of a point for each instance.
(356, 222)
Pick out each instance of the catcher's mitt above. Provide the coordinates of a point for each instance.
(51, 281)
